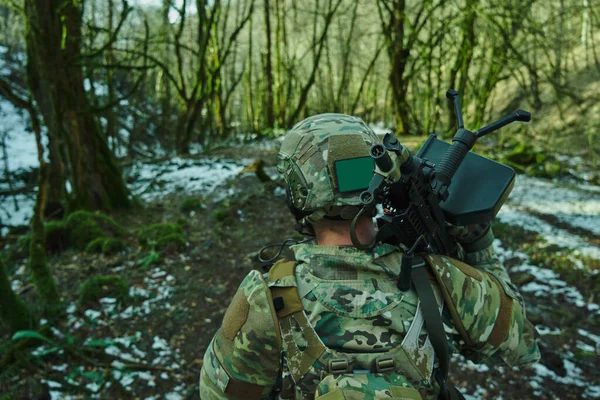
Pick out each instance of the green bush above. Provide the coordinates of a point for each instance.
(174, 241)
(23, 243)
(112, 245)
(56, 235)
(191, 204)
(221, 215)
(150, 235)
(98, 287)
(95, 246)
(85, 226)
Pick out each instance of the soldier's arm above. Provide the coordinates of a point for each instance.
(487, 313)
(243, 359)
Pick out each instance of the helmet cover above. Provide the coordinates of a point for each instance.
(307, 160)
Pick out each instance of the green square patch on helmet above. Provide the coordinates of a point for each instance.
(326, 164)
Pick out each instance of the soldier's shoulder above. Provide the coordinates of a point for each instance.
(247, 347)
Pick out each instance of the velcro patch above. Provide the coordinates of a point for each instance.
(235, 316)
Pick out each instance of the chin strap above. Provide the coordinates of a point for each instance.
(355, 241)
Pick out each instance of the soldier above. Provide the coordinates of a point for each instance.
(332, 324)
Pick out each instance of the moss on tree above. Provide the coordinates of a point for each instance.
(40, 272)
(57, 236)
(13, 312)
(153, 233)
(98, 287)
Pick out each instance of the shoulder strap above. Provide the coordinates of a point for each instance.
(288, 307)
(435, 328)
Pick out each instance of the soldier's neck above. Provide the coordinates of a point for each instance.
(337, 233)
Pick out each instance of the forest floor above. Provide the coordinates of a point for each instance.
(150, 344)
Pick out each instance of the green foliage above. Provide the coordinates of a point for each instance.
(96, 287)
(150, 235)
(558, 259)
(57, 236)
(221, 215)
(85, 226)
(174, 241)
(105, 245)
(525, 157)
(28, 334)
(191, 204)
(112, 245)
(151, 258)
(552, 169)
(95, 246)
(22, 246)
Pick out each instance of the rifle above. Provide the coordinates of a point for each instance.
(441, 184)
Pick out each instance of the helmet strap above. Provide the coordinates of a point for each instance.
(355, 241)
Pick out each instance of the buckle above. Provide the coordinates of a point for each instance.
(339, 366)
(384, 364)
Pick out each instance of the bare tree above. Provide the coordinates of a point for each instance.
(79, 153)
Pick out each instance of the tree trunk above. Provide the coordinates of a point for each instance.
(463, 60)
(53, 37)
(111, 117)
(13, 312)
(318, 46)
(398, 56)
(40, 272)
(270, 114)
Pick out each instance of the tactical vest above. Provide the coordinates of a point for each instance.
(308, 363)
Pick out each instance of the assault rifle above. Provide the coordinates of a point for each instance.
(441, 184)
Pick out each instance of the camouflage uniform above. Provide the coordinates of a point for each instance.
(347, 315)
(350, 298)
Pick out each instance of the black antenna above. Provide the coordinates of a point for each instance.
(453, 95)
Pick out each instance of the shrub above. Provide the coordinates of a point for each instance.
(95, 246)
(112, 245)
(191, 204)
(56, 235)
(85, 226)
(98, 287)
(151, 234)
(172, 242)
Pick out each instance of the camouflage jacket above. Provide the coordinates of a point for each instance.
(350, 298)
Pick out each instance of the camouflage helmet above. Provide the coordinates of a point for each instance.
(307, 160)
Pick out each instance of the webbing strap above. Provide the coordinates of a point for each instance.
(435, 328)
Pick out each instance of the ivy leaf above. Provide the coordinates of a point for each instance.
(99, 343)
(148, 260)
(30, 335)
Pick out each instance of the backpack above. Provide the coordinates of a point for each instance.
(402, 373)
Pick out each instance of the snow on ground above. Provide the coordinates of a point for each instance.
(553, 235)
(178, 175)
(547, 284)
(573, 207)
(579, 208)
(138, 348)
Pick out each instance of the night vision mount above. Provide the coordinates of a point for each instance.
(442, 184)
